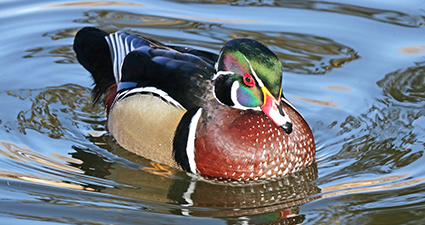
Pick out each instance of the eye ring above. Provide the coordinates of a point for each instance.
(248, 80)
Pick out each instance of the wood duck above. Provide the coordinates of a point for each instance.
(221, 116)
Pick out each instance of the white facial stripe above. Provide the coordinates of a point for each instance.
(219, 73)
(190, 147)
(260, 83)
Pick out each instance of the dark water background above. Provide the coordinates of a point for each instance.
(354, 69)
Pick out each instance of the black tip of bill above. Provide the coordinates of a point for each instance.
(287, 127)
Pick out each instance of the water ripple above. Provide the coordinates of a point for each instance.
(55, 107)
(388, 136)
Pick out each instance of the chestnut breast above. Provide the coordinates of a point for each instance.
(247, 145)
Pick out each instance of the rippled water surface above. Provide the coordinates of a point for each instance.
(354, 69)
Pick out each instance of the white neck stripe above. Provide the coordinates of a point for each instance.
(190, 147)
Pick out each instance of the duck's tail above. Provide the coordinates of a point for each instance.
(102, 54)
(93, 53)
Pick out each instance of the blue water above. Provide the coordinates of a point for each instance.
(355, 70)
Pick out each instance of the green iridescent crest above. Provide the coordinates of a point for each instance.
(242, 54)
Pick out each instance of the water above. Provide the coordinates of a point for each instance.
(355, 70)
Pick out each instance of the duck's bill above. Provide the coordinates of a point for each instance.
(273, 109)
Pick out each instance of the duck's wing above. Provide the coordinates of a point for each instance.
(133, 61)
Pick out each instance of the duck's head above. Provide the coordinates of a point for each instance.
(249, 77)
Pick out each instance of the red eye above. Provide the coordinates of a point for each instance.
(248, 80)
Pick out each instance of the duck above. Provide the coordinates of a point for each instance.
(221, 116)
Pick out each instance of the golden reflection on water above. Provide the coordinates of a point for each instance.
(95, 4)
(328, 102)
(413, 50)
(216, 19)
(367, 185)
(25, 155)
(33, 161)
(338, 88)
(58, 183)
